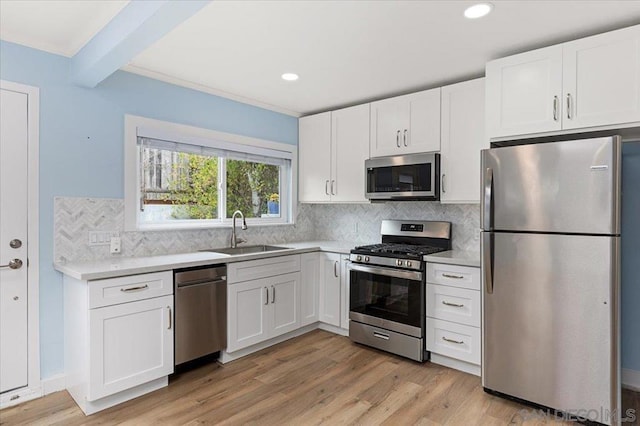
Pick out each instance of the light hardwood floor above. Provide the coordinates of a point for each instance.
(318, 378)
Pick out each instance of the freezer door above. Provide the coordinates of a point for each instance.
(550, 320)
(568, 187)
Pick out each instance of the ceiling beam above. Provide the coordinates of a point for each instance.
(135, 28)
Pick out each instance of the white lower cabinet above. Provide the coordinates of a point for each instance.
(123, 348)
(330, 290)
(345, 280)
(264, 308)
(130, 344)
(453, 316)
(309, 287)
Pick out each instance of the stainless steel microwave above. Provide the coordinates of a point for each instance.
(403, 177)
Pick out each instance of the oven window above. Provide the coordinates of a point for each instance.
(409, 178)
(390, 298)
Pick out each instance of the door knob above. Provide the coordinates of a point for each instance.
(13, 264)
(15, 243)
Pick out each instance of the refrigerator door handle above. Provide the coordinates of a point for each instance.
(487, 259)
(488, 188)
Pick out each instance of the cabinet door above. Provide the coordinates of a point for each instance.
(309, 287)
(601, 79)
(349, 150)
(345, 275)
(129, 344)
(314, 169)
(463, 137)
(389, 118)
(423, 133)
(284, 303)
(330, 288)
(524, 93)
(247, 320)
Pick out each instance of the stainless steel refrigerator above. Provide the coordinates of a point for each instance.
(550, 244)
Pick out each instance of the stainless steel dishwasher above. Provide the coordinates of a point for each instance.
(200, 312)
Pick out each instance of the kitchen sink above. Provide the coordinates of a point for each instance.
(246, 249)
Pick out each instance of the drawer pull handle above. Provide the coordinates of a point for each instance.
(455, 305)
(457, 342)
(457, 277)
(380, 335)
(141, 287)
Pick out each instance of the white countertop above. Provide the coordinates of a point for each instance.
(455, 257)
(119, 266)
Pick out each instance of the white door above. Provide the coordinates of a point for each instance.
(246, 304)
(13, 240)
(285, 303)
(389, 118)
(524, 93)
(423, 132)
(330, 289)
(130, 344)
(463, 137)
(601, 79)
(350, 149)
(314, 169)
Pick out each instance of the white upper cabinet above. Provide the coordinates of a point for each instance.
(463, 136)
(406, 124)
(524, 93)
(332, 149)
(314, 150)
(601, 79)
(349, 150)
(585, 83)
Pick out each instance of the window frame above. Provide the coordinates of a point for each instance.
(136, 126)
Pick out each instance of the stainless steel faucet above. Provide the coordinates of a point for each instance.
(235, 241)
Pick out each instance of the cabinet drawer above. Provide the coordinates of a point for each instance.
(112, 291)
(453, 340)
(262, 268)
(459, 305)
(454, 275)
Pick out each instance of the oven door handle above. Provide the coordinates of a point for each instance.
(387, 272)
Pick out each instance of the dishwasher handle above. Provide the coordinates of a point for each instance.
(222, 279)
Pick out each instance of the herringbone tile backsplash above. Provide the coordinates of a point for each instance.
(75, 217)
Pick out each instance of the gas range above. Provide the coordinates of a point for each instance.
(405, 243)
(387, 286)
(408, 256)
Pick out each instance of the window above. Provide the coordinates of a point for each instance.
(185, 181)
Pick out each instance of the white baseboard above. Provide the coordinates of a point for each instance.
(456, 364)
(333, 329)
(631, 379)
(53, 384)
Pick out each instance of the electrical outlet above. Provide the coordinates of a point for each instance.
(115, 245)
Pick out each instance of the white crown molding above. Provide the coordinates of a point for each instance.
(39, 45)
(206, 89)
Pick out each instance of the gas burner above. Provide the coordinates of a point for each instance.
(410, 250)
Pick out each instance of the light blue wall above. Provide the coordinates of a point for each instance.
(631, 256)
(81, 154)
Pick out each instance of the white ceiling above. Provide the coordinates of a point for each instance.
(346, 52)
(58, 26)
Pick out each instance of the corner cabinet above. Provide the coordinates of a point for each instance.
(463, 137)
(262, 308)
(332, 149)
(406, 124)
(330, 289)
(581, 84)
(118, 338)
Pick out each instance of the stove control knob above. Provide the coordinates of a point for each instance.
(399, 262)
(358, 258)
(366, 258)
(408, 264)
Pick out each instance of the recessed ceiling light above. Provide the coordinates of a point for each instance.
(289, 76)
(478, 10)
